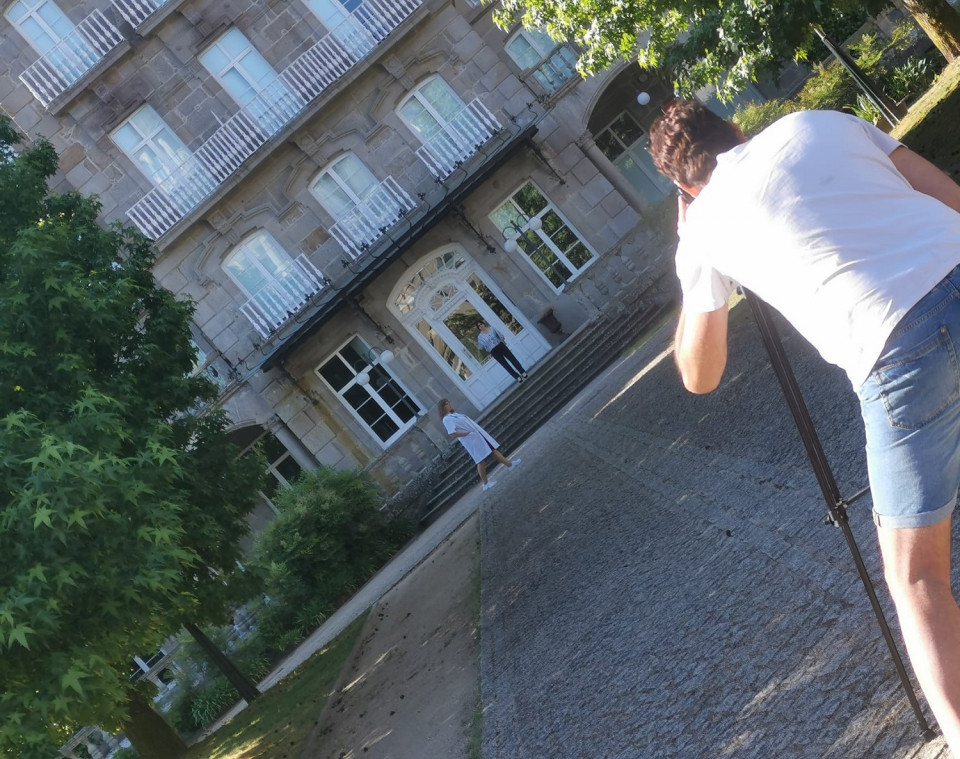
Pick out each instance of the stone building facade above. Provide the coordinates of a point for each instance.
(344, 187)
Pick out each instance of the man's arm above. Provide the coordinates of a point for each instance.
(700, 349)
(925, 177)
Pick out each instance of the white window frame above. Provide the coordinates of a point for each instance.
(71, 63)
(575, 271)
(402, 427)
(272, 467)
(547, 51)
(443, 123)
(266, 97)
(347, 25)
(331, 170)
(636, 150)
(182, 178)
(249, 250)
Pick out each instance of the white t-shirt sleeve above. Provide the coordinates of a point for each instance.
(450, 424)
(704, 288)
(881, 139)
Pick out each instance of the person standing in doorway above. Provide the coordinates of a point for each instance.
(492, 342)
(476, 440)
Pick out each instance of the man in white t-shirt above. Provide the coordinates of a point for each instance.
(856, 241)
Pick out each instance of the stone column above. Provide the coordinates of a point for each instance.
(300, 453)
(612, 173)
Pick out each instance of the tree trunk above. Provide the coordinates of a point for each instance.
(244, 685)
(941, 23)
(149, 733)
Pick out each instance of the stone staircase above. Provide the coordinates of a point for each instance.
(523, 408)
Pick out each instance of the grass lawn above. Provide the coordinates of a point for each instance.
(276, 725)
(931, 126)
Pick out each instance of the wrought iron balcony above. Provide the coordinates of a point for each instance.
(253, 125)
(453, 143)
(367, 221)
(281, 298)
(72, 57)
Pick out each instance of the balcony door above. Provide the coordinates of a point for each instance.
(250, 80)
(441, 298)
(54, 36)
(351, 21)
(362, 206)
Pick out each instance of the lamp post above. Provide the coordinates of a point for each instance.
(512, 231)
(377, 356)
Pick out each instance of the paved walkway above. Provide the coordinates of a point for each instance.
(658, 580)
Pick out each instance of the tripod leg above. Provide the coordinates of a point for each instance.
(828, 486)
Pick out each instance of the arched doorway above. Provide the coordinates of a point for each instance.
(619, 125)
(439, 301)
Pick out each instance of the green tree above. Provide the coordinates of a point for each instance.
(328, 539)
(120, 511)
(727, 44)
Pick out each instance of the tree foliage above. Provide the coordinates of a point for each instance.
(120, 512)
(705, 42)
(328, 539)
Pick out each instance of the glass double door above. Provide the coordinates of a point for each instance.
(449, 326)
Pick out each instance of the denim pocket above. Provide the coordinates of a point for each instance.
(918, 387)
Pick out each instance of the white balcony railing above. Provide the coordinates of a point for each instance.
(298, 84)
(135, 12)
(366, 222)
(291, 288)
(173, 198)
(454, 142)
(75, 54)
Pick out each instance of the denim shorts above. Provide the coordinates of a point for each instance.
(911, 411)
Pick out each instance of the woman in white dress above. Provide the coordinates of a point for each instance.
(478, 442)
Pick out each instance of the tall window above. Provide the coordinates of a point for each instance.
(431, 108)
(54, 36)
(282, 468)
(162, 157)
(552, 245)
(257, 262)
(552, 64)
(624, 143)
(371, 392)
(250, 80)
(450, 130)
(362, 206)
(353, 22)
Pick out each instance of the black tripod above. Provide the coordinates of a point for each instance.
(836, 505)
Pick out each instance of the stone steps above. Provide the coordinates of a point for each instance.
(525, 407)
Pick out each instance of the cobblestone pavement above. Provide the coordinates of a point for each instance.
(658, 581)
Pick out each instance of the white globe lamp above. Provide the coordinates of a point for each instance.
(643, 98)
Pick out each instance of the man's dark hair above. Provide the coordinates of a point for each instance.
(686, 139)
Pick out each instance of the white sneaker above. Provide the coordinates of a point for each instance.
(489, 484)
(515, 462)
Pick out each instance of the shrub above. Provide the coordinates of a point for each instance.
(910, 79)
(866, 110)
(328, 539)
(753, 117)
(126, 753)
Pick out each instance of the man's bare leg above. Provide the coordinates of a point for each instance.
(501, 458)
(482, 471)
(916, 564)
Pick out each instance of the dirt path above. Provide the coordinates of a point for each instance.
(410, 689)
